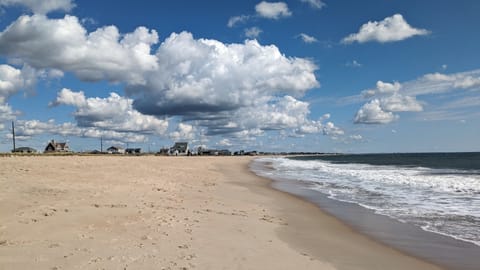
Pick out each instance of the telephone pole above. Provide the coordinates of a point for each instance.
(101, 144)
(13, 136)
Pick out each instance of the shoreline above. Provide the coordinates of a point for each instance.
(171, 213)
(363, 251)
(306, 219)
(431, 247)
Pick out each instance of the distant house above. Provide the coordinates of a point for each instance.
(164, 151)
(213, 152)
(224, 152)
(24, 150)
(208, 152)
(115, 150)
(239, 153)
(179, 149)
(54, 146)
(133, 151)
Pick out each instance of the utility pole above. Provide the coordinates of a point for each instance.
(101, 144)
(13, 136)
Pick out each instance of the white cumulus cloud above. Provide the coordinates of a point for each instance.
(331, 130)
(382, 88)
(269, 10)
(6, 114)
(272, 10)
(391, 29)
(459, 94)
(225, 142)
(400, 103)
(114, 113)
(241, 89)
(183, 132)
(387, 99)
(372, 113)
(11, 81)
(64, 44)
(30, 128)
(41, 6)
(26, 129)
(198, 76)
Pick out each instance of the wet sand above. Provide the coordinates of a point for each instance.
(115, 212)
(442, 250)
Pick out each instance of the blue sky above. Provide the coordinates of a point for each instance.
(300, 75)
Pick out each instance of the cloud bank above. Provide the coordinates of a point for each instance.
(27, 129)
(207, 87)
(201, 76)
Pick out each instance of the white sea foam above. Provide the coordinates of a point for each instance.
(438, 200)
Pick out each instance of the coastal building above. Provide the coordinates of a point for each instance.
(56, 147)
(164, 151)
(115, 150)
(24, 150)
(239, 153)
(133, 151)
(180, 149)
(224, 152)
(213, 152)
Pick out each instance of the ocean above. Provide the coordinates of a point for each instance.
(433, 192)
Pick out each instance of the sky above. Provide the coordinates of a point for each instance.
(302, 75)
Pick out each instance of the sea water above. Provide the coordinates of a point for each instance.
(437, 192)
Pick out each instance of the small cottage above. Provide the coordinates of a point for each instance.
(24, 150)
(133, 151)
(164, 151)
(54, 146)
(115, 150)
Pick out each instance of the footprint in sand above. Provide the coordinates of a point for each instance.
(184, 246)
(271, 219)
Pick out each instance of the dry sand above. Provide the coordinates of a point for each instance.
(115, 212)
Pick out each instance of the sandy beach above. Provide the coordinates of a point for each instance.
(149, 212)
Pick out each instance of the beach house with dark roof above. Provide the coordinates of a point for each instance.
(115, 150)
(54, 146)
(133, 151)
(179, 149)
